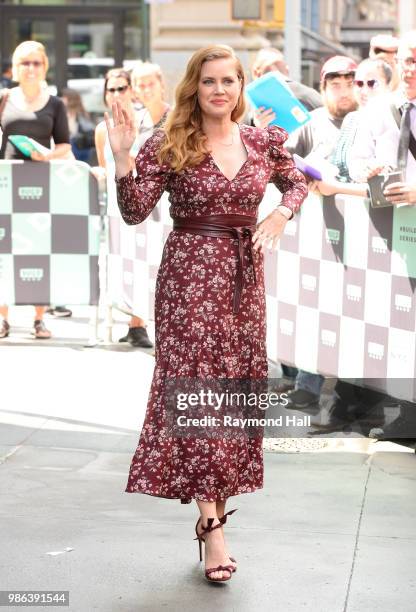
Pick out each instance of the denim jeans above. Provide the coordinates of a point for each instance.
(309, 382)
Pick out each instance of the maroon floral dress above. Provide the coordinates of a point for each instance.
(197, 332)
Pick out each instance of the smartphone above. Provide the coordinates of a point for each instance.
(377, 185)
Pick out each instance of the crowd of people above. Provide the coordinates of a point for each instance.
(359, 117)
(215, 160)
(62, 125)
(365, 127)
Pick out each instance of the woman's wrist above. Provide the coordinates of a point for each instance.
(122, 164)
(122, 158)
(285, 211)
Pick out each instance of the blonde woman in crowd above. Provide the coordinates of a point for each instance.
(31, 111)
(149, 90)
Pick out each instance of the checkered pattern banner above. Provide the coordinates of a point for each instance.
(340, 289)
(341, 292)
(134, 255)
(49, 233)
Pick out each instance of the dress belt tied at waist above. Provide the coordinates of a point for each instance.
(224, 226)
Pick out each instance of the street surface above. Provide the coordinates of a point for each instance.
(333, 530)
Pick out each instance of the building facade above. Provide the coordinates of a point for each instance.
(86, 37)
(83, 38)
(180, 27)
(363, 19)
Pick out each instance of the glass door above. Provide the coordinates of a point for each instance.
(81, 43)
(42, 30)
(90, 54)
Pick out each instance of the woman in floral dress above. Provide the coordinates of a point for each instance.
(210, 299)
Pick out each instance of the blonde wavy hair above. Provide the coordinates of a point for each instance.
(144, 69)
(23, 50)
(185, 144)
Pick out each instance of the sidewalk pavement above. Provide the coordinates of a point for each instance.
(332, 531)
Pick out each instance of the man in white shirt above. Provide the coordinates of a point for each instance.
(377, 142)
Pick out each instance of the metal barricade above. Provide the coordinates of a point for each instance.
(341, 293)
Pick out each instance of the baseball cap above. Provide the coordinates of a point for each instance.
(384, 42)
(339, 64)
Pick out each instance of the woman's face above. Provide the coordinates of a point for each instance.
(368, 83)
(31, 68)
(219, 88)
(117, 88)
(148, 89)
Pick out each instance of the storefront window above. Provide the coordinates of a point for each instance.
(90, 55)
(68, 2)
(133, 35)
(41, 30)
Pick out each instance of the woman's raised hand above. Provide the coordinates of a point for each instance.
(122, 133)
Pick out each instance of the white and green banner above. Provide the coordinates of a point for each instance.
(341, 292)
(49, 233)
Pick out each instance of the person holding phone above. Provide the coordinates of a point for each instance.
(387, 142)
(372, 80)
(387, 132)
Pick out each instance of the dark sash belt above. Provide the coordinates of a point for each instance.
(224, 226)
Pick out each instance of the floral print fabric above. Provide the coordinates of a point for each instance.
(197, 334)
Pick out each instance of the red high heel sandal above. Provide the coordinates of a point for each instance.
(201, 538)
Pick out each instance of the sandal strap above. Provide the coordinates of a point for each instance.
(207, 529)
(4, 328)
(219, 568)
(209, 526)
(223, 519)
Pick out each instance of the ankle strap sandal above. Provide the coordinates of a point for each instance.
(209, 527)
(200, 537)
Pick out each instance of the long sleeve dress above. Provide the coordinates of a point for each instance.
(198, 335)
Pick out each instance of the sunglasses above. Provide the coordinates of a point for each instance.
(35, 64)
(371, 83)
(120, 89)
(378, 50)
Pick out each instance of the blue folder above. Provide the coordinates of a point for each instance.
(269, 91)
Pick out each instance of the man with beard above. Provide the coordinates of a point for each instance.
(320, 136)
